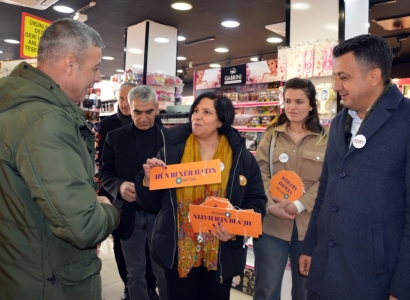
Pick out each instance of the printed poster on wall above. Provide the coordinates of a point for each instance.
(207, 79)
(262, 71)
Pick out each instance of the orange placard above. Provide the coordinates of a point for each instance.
(239, 222)
(188, 174)
(286, 185)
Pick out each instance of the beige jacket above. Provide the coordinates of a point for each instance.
(306, 160)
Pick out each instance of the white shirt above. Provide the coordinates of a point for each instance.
(356, 122)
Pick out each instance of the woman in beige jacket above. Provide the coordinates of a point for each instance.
(295, 142)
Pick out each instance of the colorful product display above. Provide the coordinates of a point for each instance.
(306, 60)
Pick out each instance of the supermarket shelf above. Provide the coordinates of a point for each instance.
(250, 129)
(255, 103)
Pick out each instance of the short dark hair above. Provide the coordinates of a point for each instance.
(370, 51)
(312, 122)
(224, 110)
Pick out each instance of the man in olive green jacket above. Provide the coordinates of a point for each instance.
(50, 217)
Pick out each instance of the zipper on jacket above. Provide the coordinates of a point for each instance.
(172, 204)
(221, 281)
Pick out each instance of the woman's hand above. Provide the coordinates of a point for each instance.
(222, 234)
(278, 200)
(290, 208)
(151, 162)
(279, 210)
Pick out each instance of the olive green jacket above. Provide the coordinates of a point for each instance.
(50, 222)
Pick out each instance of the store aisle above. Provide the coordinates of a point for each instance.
(112, 285)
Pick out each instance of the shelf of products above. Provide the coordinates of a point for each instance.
(168, 88)
(252, 118)
(174, 119)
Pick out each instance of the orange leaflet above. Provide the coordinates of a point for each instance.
(286, 185)
(239, 222)
(188, 174)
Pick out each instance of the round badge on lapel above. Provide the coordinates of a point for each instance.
(283, 158)
(359, 141)
(242, 180)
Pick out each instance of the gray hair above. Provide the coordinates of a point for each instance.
(67, 36)
(142, 93)
(128, 84)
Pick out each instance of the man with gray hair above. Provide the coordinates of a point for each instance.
(51, 219)
(120, 163)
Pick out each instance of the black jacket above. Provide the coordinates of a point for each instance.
(232, 254)
(108, 124)
(119, 164)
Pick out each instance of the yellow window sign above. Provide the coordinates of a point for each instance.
(32, 29)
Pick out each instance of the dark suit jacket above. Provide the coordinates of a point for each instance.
(358, 235)
(119, 164)
(107, 124)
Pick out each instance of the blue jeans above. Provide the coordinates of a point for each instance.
(271, 256)
(135, 258)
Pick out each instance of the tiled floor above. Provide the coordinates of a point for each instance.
(112, 285)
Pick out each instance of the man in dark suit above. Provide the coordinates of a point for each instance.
(125, 151)
(358, 241)
(121, 118)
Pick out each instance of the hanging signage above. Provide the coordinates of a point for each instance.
(233, 75)
(32, 29)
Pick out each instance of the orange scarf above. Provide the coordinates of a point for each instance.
(191, 251)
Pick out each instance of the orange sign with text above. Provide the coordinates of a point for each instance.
(286, 185)
(188, 174)
(239, 222)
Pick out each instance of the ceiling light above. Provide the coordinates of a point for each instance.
(254, 59)
(274, 40)
(119, 70)
(80, 17)
(181, 38)
(215, 65)
(138, 66)
(300, 6)
(181, 58)
(181, 6)
(230, 24)
(221, 50)
(135, 50)
(161, 40)
(63, 9)
(10, 41)
(107, 57)
(180, 71)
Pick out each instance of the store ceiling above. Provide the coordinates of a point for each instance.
(110, 18)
